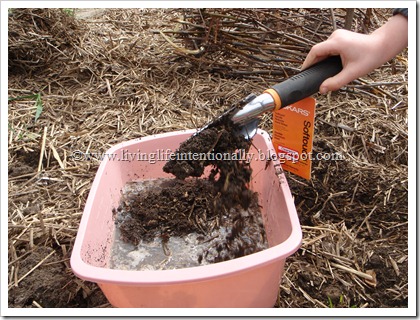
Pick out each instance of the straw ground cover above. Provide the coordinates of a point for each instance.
(80, 85)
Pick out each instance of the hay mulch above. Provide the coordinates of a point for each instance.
(78, 86)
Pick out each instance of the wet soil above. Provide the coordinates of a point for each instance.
(178, 208)
(187, 204)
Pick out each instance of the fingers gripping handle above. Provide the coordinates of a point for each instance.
(305, 83)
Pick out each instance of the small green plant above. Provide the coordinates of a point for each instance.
(69, 12)
(38, 103)
(339, 304)
(330, 303)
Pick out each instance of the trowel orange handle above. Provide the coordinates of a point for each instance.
(305, 83)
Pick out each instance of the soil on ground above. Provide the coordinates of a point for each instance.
(52, 285)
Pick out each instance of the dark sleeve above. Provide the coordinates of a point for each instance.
(403, 11)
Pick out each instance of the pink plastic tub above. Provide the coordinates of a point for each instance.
(250, 281)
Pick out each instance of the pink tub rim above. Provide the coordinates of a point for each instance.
(200, 273)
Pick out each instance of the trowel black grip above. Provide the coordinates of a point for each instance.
(307, 82)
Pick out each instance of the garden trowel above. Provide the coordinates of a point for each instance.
(298, 87)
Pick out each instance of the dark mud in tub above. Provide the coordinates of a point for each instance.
(189, 221)
(172, 223)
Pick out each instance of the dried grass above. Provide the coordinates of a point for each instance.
(259, 44)
(114, 77)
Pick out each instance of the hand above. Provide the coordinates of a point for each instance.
(357, 52)
(360, 53)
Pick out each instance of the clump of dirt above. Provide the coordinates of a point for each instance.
(221, 146)
(209, 146)
(26, 163)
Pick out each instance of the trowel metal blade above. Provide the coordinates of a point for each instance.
(249, 129)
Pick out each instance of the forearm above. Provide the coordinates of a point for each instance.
(360, 53)
(391, 38)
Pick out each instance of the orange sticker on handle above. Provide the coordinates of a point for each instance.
(293, 131)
